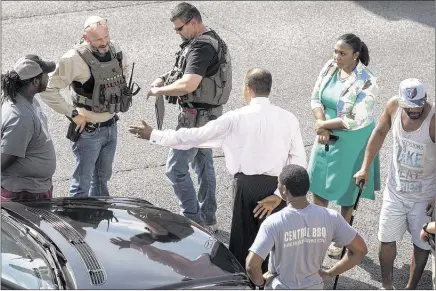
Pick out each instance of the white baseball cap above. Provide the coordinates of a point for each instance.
(412, 93)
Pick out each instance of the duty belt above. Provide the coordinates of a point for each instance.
(198, 105)
(107, 123)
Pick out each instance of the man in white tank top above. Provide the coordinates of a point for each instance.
(409, 195)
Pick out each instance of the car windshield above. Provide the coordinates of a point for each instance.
(23, 261)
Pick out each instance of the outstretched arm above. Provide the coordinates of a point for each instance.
(211, 135)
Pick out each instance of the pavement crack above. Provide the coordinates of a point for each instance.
(82, 10)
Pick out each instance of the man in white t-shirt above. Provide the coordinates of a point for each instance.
(297, 239)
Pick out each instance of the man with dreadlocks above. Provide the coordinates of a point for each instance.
(28, 159)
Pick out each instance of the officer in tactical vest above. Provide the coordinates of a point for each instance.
(200, 83)
(95, 70)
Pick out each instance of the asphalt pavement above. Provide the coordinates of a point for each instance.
(291, 39)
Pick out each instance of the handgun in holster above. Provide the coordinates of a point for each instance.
(188, 117)
(73, 132)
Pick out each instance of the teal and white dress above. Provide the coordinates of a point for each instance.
(331, 172)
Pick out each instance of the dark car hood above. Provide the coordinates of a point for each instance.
(123, 243)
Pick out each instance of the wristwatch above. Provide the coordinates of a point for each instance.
(424, 227)
(74, 113)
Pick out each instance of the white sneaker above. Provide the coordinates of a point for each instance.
(213, 228)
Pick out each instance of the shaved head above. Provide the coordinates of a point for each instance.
(92, 20)
(96, 33)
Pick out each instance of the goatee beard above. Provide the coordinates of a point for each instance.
(414, 115)
(97, 51)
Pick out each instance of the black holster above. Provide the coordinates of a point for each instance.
(72, 133)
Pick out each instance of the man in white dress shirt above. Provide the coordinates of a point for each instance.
(258, 140)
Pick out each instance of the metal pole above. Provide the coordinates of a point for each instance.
(361, 183)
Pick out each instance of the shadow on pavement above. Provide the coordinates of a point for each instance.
(223, 236)
(418, 11)
(401, 276)
(346, 283)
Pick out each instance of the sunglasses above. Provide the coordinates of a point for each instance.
(181, 27)
(98, 23)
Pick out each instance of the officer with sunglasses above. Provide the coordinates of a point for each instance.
(200, 83)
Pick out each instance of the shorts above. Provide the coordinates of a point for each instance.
(24, 195)
(398, 215)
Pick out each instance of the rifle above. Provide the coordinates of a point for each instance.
(130, 83)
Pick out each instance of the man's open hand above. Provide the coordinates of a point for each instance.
(266, 206)
(143, 132)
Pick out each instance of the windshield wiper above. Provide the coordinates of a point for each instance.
(52, 253)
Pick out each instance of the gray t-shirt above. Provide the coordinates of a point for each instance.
(25, 135)
(297, 241)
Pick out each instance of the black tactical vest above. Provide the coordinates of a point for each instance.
(106, 90)
(214, 89)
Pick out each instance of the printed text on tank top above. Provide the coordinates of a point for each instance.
(412, 169)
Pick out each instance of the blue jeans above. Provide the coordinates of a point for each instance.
(203, 209)
(94, 154)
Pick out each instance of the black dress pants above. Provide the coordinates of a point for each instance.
(247, 191)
